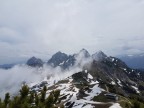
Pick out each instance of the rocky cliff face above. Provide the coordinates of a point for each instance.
(61, 59)
(35, 62)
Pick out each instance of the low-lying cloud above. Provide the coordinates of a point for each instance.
(12, 79)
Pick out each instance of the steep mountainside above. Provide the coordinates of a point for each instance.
(100, 76)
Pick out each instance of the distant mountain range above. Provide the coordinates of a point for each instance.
(134, 61)
(7, 66)
(63, 60)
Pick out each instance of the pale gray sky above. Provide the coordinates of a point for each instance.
(42, 27)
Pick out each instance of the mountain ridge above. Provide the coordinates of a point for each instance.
(99, 76)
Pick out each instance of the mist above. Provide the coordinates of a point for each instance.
(12, 79)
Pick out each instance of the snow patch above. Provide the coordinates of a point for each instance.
(113, 59)
(119, 82)
(61, 63)
(95, 91)
(113, 83)
(136, 89)
(90, 76)
(86, 71)
(115, 105)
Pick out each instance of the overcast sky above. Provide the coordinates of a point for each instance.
(42, 27)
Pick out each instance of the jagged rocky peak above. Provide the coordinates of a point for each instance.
(34, 62)
(57, 59)
(99, 56)
(83, 52)
(59, 55)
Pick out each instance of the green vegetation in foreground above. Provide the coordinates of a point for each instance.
(135, 104)
(27, 99)
(101, 98)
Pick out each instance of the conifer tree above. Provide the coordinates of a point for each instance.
(136, 104)
(1, 104)
(24, 91)
(7, 99)
(56, 95)
(15, 103)
(49, 101)
(43, 94)
(31, 98)
(45, 88)
(36, 99)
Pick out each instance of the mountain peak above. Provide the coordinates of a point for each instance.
(33, 61)
(58, 58)
(59, 52)
(83, 52)
(99, 55)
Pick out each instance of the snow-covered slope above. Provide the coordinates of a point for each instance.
(74, 93)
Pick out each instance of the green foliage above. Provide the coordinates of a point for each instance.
(15, 103)
(24, 91)
(31, 98)
(136, 104)
(126, 105)
(43, 94)
(25, 105)
(56, 95)
(45, 88)
(28, 99)
(1, 104)
(50, 101)
(7, 99)
(36, 100)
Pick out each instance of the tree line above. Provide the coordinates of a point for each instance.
(31, 99)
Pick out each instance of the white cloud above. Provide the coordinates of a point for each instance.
(12, 79)
(34, 27)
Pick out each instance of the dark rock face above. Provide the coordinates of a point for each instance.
(57, 59)
(35, 62)
(112, 69)
(65, 61)
(69, 62)
(62, 60)
(80, 77)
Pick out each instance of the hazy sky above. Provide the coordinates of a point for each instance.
(42, 27)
